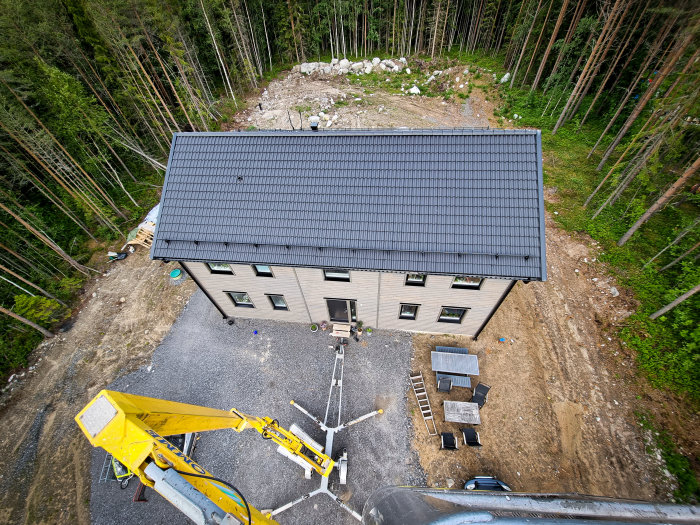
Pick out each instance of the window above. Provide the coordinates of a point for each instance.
(415, 279)
(449, 314)
(220, 268)
(262, 270)
(241, 299)
(278, 302)
(408, 311)
(337, 275)
(467, 282)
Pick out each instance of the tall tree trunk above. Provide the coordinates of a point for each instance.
(681, 257)
(27, 282)
(537, 45)
(41, 329)
(662, 201)
(667, 69)
(675, 303)
(527, 38)
(553, 39)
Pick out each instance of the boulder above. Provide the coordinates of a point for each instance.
(414, 90)
(403, 61)
(357, 66)
(327, 69)
(343, 71)
(309, 67)
(344, 64)
(296, 69)
(334, 62)
(368, 69)
(398, 66)
(376, 61)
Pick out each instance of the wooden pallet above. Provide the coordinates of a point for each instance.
(144, 237)
(419, 390)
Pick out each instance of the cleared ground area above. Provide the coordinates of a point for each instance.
(205, 361)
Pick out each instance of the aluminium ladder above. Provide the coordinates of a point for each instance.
(419, 390)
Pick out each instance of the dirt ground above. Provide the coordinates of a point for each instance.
(123, 316)
(560, 415)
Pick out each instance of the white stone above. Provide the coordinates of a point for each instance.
(327, 70)
(94, 294)
(250, 119)
(515, 115)
(357, 66)
(344, 64)
(309, 67)
(382, 66)
(461, 86)
(408, 70)
(450, 483)
(368, 69)
(457, 79)
(414, 90)
(466, 71)
(328, 124)
(335, 117)
(432, 77)
(11, 378)
(505, 78)
(437, 73)
(343, 71)
(326, 117)
(376, 60)
(614, 291)
(334, 62)
(296, 69)
(403, 60)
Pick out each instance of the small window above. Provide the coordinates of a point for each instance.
(220, 268)
(278, 302)
(467, 282)
(337, 275)
(408, 311)
(262, 270)
(449, 314)
(241, 299)
(415, 279)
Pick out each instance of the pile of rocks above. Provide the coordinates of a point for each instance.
(344, 66)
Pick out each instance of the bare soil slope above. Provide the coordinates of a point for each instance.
(560, 414)
(45, 463)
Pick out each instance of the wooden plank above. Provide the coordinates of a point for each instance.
(462, 412)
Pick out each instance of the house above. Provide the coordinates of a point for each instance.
(418, 230)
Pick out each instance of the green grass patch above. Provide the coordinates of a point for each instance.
(677, 464)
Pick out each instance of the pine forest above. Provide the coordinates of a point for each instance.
(91, 92)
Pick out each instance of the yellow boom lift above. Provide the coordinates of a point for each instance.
(131, 428)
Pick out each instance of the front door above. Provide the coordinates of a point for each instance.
(341, 310)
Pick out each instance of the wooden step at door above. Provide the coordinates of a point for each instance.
(426, 410)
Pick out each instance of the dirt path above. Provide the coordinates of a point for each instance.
(45, 463)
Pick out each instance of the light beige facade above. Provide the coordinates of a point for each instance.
(378, 297)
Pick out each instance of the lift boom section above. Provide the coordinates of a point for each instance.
(131, 428)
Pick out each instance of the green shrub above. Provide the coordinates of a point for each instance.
(41, 310)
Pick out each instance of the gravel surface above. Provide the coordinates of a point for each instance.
(205, 361)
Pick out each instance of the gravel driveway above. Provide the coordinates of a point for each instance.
(207, 362)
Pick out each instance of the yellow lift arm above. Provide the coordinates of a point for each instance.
(131, 428)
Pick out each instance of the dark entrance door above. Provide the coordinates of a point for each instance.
(338, 310)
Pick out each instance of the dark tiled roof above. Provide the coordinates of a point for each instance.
(466, 202)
